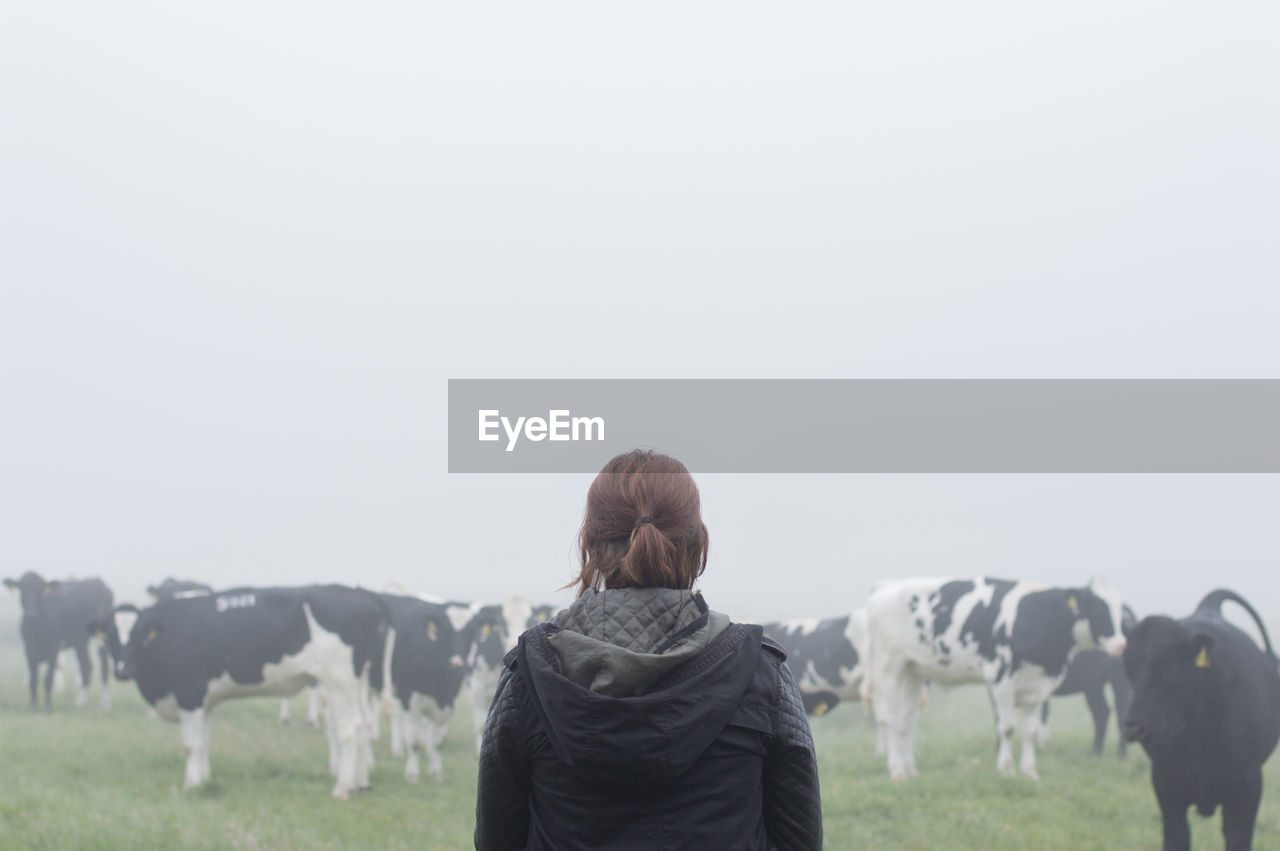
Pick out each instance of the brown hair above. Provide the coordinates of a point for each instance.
(642, 527)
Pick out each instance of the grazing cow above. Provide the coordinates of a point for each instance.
(188, 655)
(1014, 636)
(178, 588)
(56, 615)
(423, 671)
(1206, 709)
(1089, 673)
(825, 656)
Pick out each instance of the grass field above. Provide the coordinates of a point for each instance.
(81, 778)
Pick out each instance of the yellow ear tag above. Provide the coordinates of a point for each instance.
(48, 590)
(431, 630)
(485, 631)
(820, 709)
(542, 617)
(1202, 660)
(100, 635)
(1074, 604)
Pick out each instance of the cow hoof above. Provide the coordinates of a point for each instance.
(1032, 775)
(341, 793)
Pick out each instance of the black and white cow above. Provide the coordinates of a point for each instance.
(57, 614)
(1089, 673)
(170, 588)
(492, 632)
(826, 657)
(187, 655)
(1206, 709)
(1016, 637)
(423, 673)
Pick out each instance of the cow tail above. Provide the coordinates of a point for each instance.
(1213, 602)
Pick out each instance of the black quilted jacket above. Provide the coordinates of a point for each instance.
(714, 754)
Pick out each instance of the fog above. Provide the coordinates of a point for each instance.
(243, 248)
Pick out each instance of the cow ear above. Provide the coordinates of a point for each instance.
(1202, 648)
(11, 584)
(153, 591)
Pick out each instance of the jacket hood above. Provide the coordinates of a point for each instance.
(633, 685)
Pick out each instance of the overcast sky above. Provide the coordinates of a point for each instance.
(243, 247)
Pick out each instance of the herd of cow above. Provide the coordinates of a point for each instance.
(1199, 695)
(194, 648)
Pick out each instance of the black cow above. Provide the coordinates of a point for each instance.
(1206, 708)
(56, 615)
(424, 674)
(1089, 673)
(189, 654)
(178, 588)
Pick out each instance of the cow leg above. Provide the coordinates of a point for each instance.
(365, 760)
(901, 708)
(48, 684)
(397, 730)
(284, 710)
(345, 722)
(104, 663)
(1002, 701)
(1240, 812)
(1042, 730)
(1173, 802)
(374, 704)
(410, 727)
(435, 734)
(1097, 701)
(86, 674)
(206, 771)
(331, 730)
(194, 732)
(1030, 718)
(313, 706)
(33, 678)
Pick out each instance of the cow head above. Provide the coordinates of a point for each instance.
(486, 634)
(124, 620)
(446, 628)
(1172, 672)
(1099, 617)
(32, 591)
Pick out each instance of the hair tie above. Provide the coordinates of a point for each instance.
(645, 519)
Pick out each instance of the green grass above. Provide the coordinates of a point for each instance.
(81, 778)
